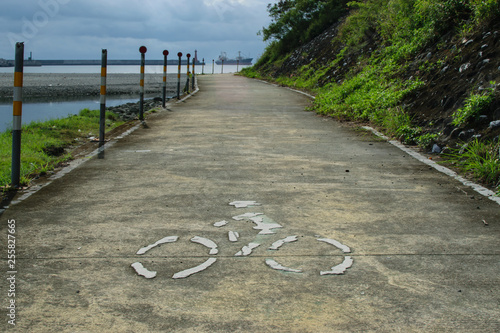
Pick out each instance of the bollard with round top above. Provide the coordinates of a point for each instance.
(143, 51)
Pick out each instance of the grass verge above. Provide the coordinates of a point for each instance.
(43, 144)
(480, 159)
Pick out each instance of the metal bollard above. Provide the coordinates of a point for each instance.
(203, 67)
(102, 113)
(237, 66)
(194, 73)
(179, 76)
(17, 114)
(213, 66)
(165, 54)
(222, 68)
(188, 74)
(143, 51)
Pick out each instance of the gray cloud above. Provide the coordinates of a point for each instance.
(79, 29)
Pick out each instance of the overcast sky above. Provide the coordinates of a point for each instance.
(79, 29)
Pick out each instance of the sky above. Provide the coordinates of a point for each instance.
(80, 29)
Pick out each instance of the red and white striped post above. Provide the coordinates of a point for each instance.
(17, 114)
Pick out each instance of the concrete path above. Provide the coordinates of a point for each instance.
(411, 243)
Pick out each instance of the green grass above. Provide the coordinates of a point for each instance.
(475, 104)
(481, 160)
(43, 143)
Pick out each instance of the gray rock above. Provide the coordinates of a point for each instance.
(495, 124)
(465, 135)
(436, 149)
(464, 67)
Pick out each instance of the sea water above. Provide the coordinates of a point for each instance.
(39, 110)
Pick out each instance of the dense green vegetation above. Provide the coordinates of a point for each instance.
(372, 90)
(43, 143)
(295, 22)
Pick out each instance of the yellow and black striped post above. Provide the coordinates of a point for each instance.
(179, 76)
(102, 114)
(165, 54)
(17, 113)
(143, 51)
(188, 73)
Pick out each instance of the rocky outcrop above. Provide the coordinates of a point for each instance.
(130, 111)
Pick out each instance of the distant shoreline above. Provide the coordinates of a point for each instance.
(36, 63)
(43, 85)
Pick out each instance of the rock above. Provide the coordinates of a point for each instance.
(494, 124)
(466, 135)
(436, 149)
(464, 67)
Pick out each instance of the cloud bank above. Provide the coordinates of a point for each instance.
(76, 29)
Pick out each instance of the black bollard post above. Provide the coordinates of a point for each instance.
(143, 51)
(213, 66)
(194, 73)
(165, 54)
(179, 76)
(17, 114)
(188, 74)
(102, 113)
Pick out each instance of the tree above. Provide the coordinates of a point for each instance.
(295, 22)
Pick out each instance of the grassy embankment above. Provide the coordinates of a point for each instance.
(43, 143)
(373, 89)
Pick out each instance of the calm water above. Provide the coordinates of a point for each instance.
(207, 69)
(61, 108)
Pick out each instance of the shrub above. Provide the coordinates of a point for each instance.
(474, 105)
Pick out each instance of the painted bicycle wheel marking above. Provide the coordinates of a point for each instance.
(266, 227)
(194, 270)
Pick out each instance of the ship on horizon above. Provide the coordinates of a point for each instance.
(238, 61)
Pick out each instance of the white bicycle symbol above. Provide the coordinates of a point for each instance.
(266, 227)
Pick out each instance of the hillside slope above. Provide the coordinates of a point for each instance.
(439, 92)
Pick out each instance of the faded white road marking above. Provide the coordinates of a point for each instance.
(339, 269)
(337, 244)
(206, 242)
(265, 226)
(233, 236)
(220, 224)
(194, 270)
(274, 265)
(247, 249)
(169, 239)
(141, 270)
(244, 204)
(279, 243)
(246, 216)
